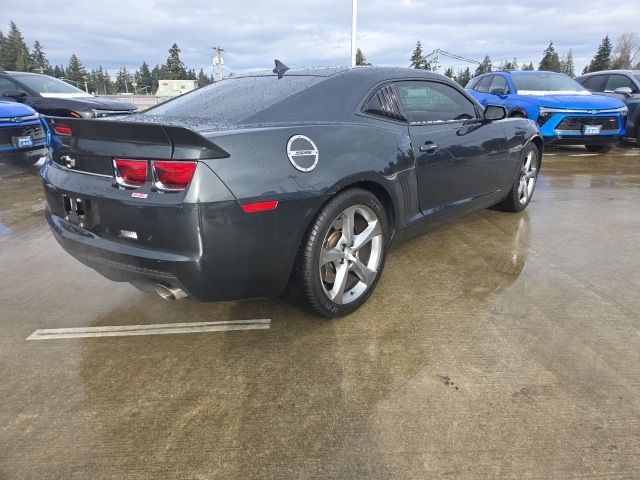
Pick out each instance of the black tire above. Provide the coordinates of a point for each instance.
(514, 199)
(518, 114)
(599, 148)
(307, 287)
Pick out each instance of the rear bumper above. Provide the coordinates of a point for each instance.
(208, 247)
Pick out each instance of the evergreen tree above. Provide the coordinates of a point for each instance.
(39, 62)
(76, 72)
(417, 58)
(602, 58)
(567, 65)
(550, 60)
(157, 74)
(528, 67)
(463, 77)
(58, 71)
(174, 68)
(2, 43)
(191, 74)
(203, 79)
(510, 65)
(15, 53)
(484, 67)
(361, 59)
(123, 81)
(100, 82)
(449, 73)
(143, 78)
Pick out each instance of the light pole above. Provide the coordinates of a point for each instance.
(218, 61)
(354, 21)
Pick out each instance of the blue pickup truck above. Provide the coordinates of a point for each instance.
(566, 112)
(23, 138)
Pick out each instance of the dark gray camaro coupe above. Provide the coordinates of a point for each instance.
(296, 181)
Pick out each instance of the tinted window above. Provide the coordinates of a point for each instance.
(499, 83)
(44, 85)
(545, 82)
(7, 85)
(594, 83)
(483, 85)
(472, 82)
(384, 103)
(617, 81)
(432, 102)
(234, 99)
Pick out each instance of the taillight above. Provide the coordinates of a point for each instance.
(62, 130)
(172, 176)
(129, 172)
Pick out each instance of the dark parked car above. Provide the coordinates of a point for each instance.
(53, 97)
(623, 85)
(298, 181)
(23, 140)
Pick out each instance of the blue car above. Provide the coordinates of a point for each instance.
(23, 139)
(566, 112)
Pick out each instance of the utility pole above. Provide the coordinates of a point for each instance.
(354, 21)
(217, 61)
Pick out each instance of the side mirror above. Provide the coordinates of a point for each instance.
(626, 91)
(494, 112)
(16, 95)
(499, 92)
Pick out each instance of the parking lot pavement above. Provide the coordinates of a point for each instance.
(500, 346)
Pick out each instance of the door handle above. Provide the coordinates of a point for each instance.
(429, 147)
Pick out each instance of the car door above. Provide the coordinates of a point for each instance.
(481, 90)
(460, 158)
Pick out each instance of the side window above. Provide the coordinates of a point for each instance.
(433, 102)
(499, 83)
(384, 103)
(617, 81)
(483, 85)
(595, 83)
(472, 83)
(7, 85)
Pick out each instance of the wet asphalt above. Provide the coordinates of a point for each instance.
(499, 346)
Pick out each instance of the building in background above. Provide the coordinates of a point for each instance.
(172, 88)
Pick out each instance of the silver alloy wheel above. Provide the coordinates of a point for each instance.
(528, 175)
(350, 254)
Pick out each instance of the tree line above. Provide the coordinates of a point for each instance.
(625, 56)
(15, 55)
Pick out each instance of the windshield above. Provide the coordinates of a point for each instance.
(45, 86)
(235, 99)
(541, 83)
(637, 77)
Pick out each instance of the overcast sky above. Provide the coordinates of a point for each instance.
(314, 32)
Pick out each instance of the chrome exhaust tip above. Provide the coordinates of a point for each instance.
(169, 293)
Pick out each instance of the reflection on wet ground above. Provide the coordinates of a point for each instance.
(498, 346)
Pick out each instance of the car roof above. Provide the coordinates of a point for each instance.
(364, 71)
(629, 72)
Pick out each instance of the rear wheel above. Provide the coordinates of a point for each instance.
(598, 148)
(525, 182)
(342, 257)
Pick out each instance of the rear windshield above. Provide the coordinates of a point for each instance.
(545, 82)
(235, 99)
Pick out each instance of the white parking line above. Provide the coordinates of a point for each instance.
(153, 329)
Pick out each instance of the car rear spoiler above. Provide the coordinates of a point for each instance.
(116, 138)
